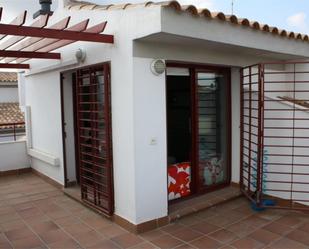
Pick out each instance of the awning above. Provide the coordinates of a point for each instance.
(19, 43)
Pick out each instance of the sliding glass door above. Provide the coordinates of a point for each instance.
(212, 128)
(198, 128)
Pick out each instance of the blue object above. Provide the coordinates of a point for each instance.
(265, 203)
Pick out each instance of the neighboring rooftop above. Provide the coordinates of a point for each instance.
(8, 79)
(10, 113)
(194, 11)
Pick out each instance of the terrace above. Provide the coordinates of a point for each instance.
(35, 214)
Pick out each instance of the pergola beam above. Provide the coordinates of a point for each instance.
(29, 55)
(8, 29)
(14, 66)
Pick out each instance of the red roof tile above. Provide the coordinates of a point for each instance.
(83, 5)
(8, 79)
(10, 113)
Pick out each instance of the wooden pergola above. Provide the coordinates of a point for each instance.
(19, 43)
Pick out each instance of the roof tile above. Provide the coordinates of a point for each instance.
(8, 79)
(10, 113)
(78, 5)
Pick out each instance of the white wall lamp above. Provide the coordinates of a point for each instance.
(158, 67)
(80, 55)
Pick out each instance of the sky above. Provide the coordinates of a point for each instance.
(292, 15)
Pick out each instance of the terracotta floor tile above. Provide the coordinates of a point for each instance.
(77, 229)
(247, 243)
(104, 244)
(49, 207)
(204, 227)
(58, 214)
(172, 227)
(88, 238)
(97, 223)
(18, 200)
(18, 233)
(36, 219)
(245, 209)
(67, 221)
(29, 201)
(221, 221)
(187, 234)
(224, 236)
(278, 228)
(152, 234)
(300, 236)
(9, 217)
(11, 225)
(29, 212)
(270, 214)
(14, 195)
(190, 220)
(4, 243)
(286, 243)
(23, 206)
(241, 229)
(127, 240)
(166, 242)
(264, 236)
(144, 245)
(304, 227)
(54, 193)
(45, 226)
(206, 213)
(202, 205)
(185, 246)
(206, 243)
(38, 197)
(256, 221)
(28, 242)
(6, 210)
(53, 236)
(66, 244)
(290, 221)
(112, 231)
(234, 214)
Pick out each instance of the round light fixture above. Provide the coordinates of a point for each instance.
(158, 67)
(80, 55)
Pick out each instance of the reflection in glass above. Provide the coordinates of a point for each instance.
(212, 130)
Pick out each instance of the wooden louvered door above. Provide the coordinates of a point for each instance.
(94, 137)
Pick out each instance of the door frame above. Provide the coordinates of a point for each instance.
(106, 66)
(194, 68)
(63, 131)
(66, 180)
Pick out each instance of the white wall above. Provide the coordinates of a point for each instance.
(21, 90)
(13, 156)
(150, 159)
(8, 94)
(43, 95)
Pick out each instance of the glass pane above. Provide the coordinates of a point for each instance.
(212, 129)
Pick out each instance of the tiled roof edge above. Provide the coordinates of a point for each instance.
(194, 11)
